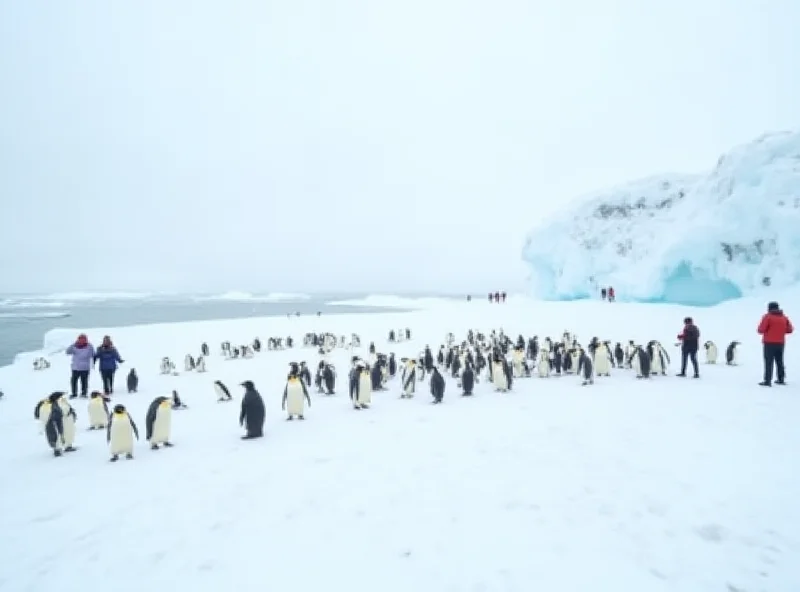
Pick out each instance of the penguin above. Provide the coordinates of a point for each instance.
(166, 365)
(294, 394)
(517, 359)
(499, 378)
(69, 417)
(619, 355)
(256, 345)
(204, 350)
(158, 423)
(120, 433)
(133, 381)
(732, 354)
(200, 364)
(177, 404)
(437, 385)
(253, 412)
(223, 394)
(585, 368)
(602, 360)
(630, 351)
(543, 366)
(329, 379)
(49, 414)
(97, 411)
(641, 362)
(188, 363)
(304, 373)
(711, 352)
(392, 365)
(467, 380)
(409, 378)
(363, 388)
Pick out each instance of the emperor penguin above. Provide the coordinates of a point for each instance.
(158, 423)
(602, 360)
(363, 394)
(253, 413)
(467, 380)
(48, 412)
(329, 379)
(133, 381)
(200, 364)
(69, 417)
(204, 349)
(437, 384)
(120, 433)
(711, 352)
(732, 354)
(304, 373)
(543, 365)
(619, 355)
(518, 362)
(630, 350)
(640, 362)
(409, 378)
(223, 394)
(295, 393)
(188, 363)
(499, 378)
(392, 365)
(98, 411)
(585, 367)
(177, 403)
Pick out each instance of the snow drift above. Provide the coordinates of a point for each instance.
(687, 239)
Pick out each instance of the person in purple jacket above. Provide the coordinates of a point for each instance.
(108, 356)
(82, 353)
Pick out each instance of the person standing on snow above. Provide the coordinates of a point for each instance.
(610, 294)
(108, 356)
(690, 343)
(774, 327)
(82, 353)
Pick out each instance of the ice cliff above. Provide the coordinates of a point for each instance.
(686, 239)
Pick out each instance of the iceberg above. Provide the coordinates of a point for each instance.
(695, 240)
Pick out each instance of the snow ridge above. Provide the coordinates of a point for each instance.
(686, 239)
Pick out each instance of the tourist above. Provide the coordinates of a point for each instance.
(610, 294)
(82, 353)
(774, 327)
(690, 342)
(108, 356)
(603, 293)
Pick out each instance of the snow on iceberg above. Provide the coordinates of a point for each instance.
(686, 239)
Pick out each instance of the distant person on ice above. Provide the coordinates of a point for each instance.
(774, 327)
(490, 296)
(497, 296)
(108, 356)
(690, 342)
(82, 353)
(503, 296)
(603, 293)
(610, 294)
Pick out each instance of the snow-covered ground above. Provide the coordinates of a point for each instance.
(667, 484)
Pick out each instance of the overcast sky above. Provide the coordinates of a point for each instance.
(346, 145)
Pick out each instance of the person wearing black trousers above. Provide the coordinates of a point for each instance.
(690, 343)
(774, 327)
(108, 356)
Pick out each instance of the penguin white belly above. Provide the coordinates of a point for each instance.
(364, 389)
(637, 367)
(499, 377)
(735, 360)
(711, 354)
(409, 383)
(97, 413)
(655, 363)
(519, 371)
(121, 437)
(602, 364)
(543, 367)
(69, 430)
(44, 414)
(162, 426)
(294, 399)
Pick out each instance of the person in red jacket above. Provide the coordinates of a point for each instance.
(610, 294)
(774, 327)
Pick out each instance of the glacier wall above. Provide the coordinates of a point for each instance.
(685, 239)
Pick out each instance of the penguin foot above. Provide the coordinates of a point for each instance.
(301, 418)
(154, 447)
(168, 444)
(129, 456)
(114, 458)
(70, 449)
(290, 418)
(56, 453)
(365, 406)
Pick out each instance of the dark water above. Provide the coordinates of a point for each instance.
(22, 330)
